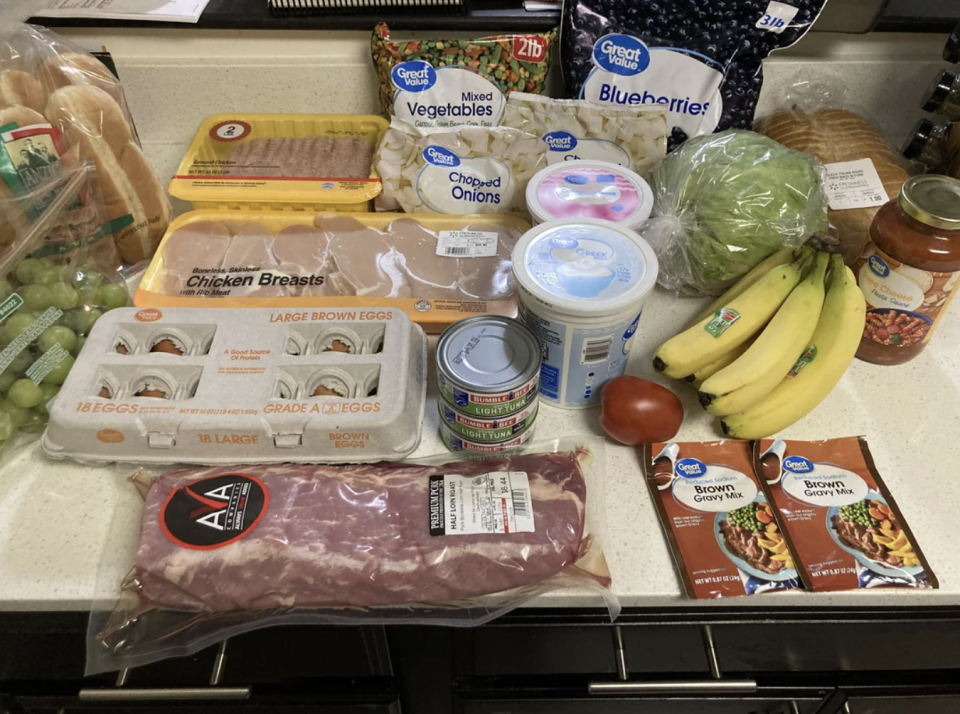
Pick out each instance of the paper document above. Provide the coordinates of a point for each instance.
(147, 10)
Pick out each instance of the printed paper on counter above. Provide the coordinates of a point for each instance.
(467, 244)
(854, 184)
(490, 503)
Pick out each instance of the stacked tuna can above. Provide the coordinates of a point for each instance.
(488, 373)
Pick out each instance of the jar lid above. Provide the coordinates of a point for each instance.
(590, 189)
(588, 268)
(919, 138)
(939, 91)
(951, 52)
(933, 200)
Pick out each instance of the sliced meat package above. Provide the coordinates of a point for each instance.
(839, 517)
(230, 549)
(723, 534)
(438, 269)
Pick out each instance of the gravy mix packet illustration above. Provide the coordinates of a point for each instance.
(723, 534)
(838, 516)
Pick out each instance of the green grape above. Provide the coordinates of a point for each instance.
(86, 320)
(21, 362)
(64, 297)
(25, 393)
(49, 392)
(63, 336)
(58, 375)
(114, 296)
(18, 415)
(91, 296)
(36, 422)
(6, 289)
(48, 277)
(7, 377)
(86, 279)
(37, 297)
(7, 428)
(81, 341)
(28, 269)
(17, 323)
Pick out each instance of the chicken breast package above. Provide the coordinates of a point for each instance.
(838, 516)
(724, 535)
(437, 269)
(436, 541)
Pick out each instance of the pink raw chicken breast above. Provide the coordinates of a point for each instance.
(197, 245)
(490, 278)
(431, 276)
(252, 248)
(304, 251)
(366, 264)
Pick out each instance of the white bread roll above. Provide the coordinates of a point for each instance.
(74, 69)
(21, 89)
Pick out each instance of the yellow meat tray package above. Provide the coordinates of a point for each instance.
(437, 269)
(282, 162)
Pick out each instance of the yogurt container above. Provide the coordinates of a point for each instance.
(455, 442)
(589, 189)
(582, 286)
(488, 366)
(488, 430)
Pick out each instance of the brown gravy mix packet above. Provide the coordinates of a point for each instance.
(723, 535)
(838, 516)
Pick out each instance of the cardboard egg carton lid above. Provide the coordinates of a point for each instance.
(248, 385)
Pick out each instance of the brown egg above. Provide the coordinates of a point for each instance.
(105, 393)
(338, 346)
(322, 391)
(167, 346)
(121, 349)
(153, 393)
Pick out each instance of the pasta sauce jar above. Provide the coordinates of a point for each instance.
(909, 270)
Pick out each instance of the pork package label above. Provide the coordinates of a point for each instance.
(838, 516)
(488, 503)
(213, 512)
(722, 532)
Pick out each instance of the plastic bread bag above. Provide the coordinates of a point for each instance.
(863, 170)
(52, 291)
(701, 61)
(724, 202)
(439, 540)
(442, 84)
(471, 170)
(48, 82)
(634, 137)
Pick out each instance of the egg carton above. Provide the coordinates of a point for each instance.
(248, 385)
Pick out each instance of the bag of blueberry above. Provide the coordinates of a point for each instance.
(53, 288)
(699, 59)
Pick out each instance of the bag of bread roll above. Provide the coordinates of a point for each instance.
(73, 94)
(817, 120)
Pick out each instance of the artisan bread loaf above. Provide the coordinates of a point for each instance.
(21, 89)
(836, 135)
(90, 119)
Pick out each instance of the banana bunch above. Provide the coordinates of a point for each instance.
(773, 346)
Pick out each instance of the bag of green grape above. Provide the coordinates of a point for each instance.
(52, 291)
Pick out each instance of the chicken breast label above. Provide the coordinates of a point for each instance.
(445, 98)
(474, 184)
(628, 73)
(467, 244)
(564, 146)
(821, 484)
(709, 487)
(489, 503)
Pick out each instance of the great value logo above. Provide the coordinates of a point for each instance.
(879, 266)
(621, 54)
(438, 156)
(690, 468)
(414, 76)
(798, 465)
(560, 141)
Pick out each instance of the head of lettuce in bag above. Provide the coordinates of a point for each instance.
(726, 201)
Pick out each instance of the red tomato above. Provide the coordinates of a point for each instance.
(635, 411)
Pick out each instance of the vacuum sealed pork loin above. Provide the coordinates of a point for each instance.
(225, 550)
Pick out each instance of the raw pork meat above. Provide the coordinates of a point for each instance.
(359, 536)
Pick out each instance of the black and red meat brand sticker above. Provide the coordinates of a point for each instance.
(214, 512)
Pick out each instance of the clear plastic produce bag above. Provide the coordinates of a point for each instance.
(724, 202)
(52, 291)
(56, 99)
(439, 540)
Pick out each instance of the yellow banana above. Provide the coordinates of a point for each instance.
(698, 377)
(730, 326)
(781, 257)
(773, 353)
(818, 370)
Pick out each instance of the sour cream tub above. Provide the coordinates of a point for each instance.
(589, 189)
(582, 286)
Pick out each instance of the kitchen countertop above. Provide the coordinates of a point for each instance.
(68, 532)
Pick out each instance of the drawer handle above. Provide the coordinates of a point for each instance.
(696, 686)
(164, 694)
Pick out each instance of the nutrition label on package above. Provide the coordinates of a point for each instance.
(489, 503)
